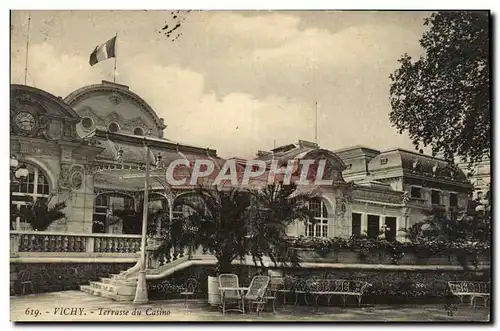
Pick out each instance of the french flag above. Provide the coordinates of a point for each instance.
(103, 52)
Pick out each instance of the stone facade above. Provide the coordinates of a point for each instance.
(75, 144)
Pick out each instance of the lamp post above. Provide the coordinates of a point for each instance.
(141, 291)
(19, 173)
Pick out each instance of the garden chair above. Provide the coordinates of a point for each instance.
(189, 289)
(25, 280)
(256, 292)
(230, 296)
(13, 282)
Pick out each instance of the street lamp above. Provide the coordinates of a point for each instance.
(141, 291)
(17, 173)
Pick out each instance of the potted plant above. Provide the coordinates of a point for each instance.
(232, 223)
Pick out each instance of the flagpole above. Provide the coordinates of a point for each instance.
(114, 70)
(27, 48)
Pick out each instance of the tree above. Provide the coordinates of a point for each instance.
(275, 207)
(442, 100)
(233, 223)
(217, 223)
(40, 215)
(454, 229)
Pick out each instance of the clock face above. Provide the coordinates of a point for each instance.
(25, 121)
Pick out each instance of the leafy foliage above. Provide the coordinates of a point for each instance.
(217, 223)
(457, 228)
(273, 209)
(443, 98)
(233, 223)
(40, 214)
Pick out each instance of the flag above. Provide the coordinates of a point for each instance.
(103, 52)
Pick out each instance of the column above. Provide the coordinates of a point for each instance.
(364, 223)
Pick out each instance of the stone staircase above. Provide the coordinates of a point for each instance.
(122, 287)
(112, 288)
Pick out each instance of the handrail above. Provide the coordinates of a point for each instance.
(74, 234)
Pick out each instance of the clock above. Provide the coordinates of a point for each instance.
(25, 121)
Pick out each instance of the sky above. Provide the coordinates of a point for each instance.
(235, 81)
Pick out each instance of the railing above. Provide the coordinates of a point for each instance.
(32, 242)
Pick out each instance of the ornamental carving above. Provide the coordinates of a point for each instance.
(376, 196)
(406, 197)
(114, 117)
(64, 177)
(136, 122)
(33, 118)
(71, 176)
(88, 112)
(77, 180)
(38, 148)
(115, 99)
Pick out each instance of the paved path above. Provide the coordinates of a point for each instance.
(78, 306)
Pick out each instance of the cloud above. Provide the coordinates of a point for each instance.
(51, 70)
(237, 124)
(238, 82)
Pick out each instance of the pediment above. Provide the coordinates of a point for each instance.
(37, 114)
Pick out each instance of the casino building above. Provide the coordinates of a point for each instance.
(87, 149)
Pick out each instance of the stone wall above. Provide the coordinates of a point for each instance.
(52, 277)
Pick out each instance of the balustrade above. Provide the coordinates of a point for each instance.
(50, 242)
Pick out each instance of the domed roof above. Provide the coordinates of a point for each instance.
(110, 102)
(411, 162)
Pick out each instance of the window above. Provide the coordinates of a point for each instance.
(157, 202)
(87, 122)
(416, 192)
(373, 226)
(435, 197)
(320, 227)
(356, 225)
(103, 207)
(27, 190)
(383, 161)
(139, 132)
(390, 228)
(113, 127)
(453, 200)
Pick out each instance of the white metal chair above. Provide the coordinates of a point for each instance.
(189, 289)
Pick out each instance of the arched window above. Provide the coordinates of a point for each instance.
(104, 206)
(87, 122)
(27, 190)
(157, 202)
(181, 205)
(320, 227)
(113, 127)
(139, 132)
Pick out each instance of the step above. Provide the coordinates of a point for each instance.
(105, 294)
(104, 286)
(129, 282)
(117, 288)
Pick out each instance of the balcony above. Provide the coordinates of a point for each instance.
(34, 246)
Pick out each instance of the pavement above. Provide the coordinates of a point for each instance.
(76, 306)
